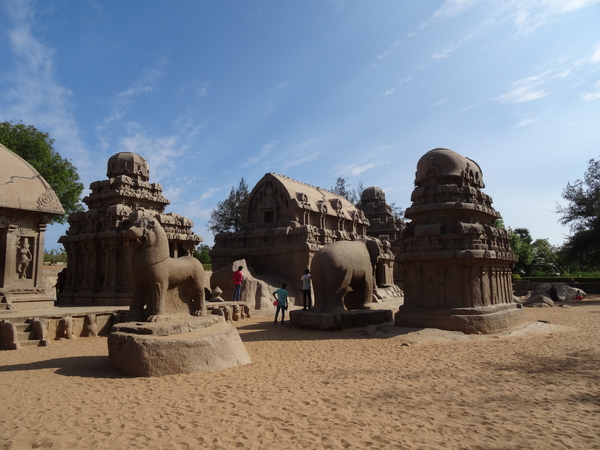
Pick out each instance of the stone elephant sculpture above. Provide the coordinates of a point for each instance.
(343, 275)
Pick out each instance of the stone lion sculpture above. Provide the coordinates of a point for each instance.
(163, 286)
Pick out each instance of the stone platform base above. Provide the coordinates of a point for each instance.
(179, 345)
(339, 320)
(477, 320)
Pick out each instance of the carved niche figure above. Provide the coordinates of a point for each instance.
(163, 286)
(24, 257)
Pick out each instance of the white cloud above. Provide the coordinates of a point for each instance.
(387, 52)
(281, 86)
(34, 95)
(595, 58)
(589, 96)
(264, 152)
(122, 101)
(450, 9)
(339, 4)
(209, 193)
(299, 161)
(526, 89)
(303, 145)
(162, 153)
(439, 103)
(527, 15)
(357, 169)
(532, 14)
(524, 122)
(445, 53)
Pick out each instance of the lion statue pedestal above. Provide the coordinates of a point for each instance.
(188, 345)
(167, 331)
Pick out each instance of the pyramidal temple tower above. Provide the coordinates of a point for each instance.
(456, 263)
(97, 272)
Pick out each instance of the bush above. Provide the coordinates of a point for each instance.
(562, 279)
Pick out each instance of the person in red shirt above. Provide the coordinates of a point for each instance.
(238, 278)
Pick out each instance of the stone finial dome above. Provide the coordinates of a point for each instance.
(372, 193)
(128, 163)
(22, 187)
(444, 163)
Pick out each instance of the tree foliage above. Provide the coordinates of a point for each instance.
(582, 215)
(343, 189)
(227, 216)
(535, 257)
(397, 211)
(202, 255)
(36, 148)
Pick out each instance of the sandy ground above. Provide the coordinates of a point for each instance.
(535, 388)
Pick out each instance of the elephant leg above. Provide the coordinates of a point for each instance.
(361, 292)
(341, 292)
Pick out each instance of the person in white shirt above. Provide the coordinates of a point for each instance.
(306, 289)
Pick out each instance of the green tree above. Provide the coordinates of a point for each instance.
(343, 189)
(582, 215)
(520, 242)
(227, 216)
(535, 257)
(202, 255)
(397, 211)
(36, 148)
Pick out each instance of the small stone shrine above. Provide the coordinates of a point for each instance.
(286, 223)
(456, 264)
(97, 274)
(383, 225)
(27, 205)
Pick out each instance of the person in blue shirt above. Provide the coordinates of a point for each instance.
(281, 296)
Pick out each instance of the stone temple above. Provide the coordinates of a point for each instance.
(456, 263)
(286, 223)
(27, 205)
(97, 273)
(383, 224)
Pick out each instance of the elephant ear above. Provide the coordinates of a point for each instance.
(373, 249)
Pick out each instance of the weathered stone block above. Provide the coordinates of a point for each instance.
(187, 345)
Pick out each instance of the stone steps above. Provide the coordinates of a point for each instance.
(26, 336)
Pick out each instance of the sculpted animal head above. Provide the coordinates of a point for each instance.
(145, 232)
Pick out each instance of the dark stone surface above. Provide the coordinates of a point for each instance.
(339, 320)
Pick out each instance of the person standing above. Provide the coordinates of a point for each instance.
(554, 294)
(238, 278)
(281, 296)
(306, 290)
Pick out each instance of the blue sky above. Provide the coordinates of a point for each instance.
(212, 91)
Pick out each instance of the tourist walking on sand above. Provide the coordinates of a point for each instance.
(281, 297)
(238, 278)
(307, 298)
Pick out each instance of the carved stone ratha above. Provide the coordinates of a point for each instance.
(456, 263)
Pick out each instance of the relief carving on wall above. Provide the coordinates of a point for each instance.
(24, 257)
(48, 201)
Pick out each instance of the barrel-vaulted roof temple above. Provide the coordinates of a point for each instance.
(286, 223)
